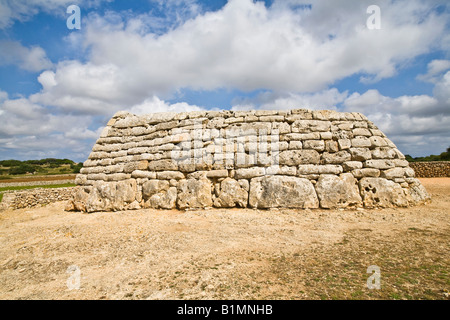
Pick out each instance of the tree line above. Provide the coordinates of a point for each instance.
(444, 156)
(15, 167)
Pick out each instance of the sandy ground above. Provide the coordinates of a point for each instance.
(47, 253)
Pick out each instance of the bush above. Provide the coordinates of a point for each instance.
(76, 167)
(22, 169)
(10, 163)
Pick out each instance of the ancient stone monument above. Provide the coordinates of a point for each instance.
(257, 159)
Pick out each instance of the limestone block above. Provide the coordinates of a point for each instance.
(418, 193)
(344, 144)
(361, 142)
(362, 132)
(379, 192)
(111, 196)
(401, 163)
(383, 153)
(337, 157)
(295, 145)
(271, 118)
(338, 191)
(331, 146)
(318, 145)
(139, 174)
(282, 191)
(168, 175)
(366, 172)
(319, 169)
(217, 174)
(302, 136)
(297, 157)
(398, 173)
(281, 170)
(193, 193)
(162, 165)
(117, 177)
(163, 200)
(360, 154)
(379, 164)
(231, 194)
(352, 165)
(281, 127)
(249, 173)
(80, 179)
(377, 141)
(305, 126)
(326, 135)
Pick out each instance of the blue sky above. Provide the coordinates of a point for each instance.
(59, 87)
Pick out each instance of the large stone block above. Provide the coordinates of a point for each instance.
(338, 191)
(282, 192)
(193, 193)
(379, 192)
(297, 157)
(231, 194)
(158, 194)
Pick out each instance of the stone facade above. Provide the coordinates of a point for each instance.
(258, 159)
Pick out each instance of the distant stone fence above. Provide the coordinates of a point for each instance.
(34, 197)
(431, 169)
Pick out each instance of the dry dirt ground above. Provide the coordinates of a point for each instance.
(228, 254)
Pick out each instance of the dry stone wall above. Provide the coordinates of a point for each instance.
(432, 169)
(35, 197)
(258, 159)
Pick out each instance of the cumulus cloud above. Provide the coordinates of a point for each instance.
(30, 59)
(154, 105)
(435, 69)
(293, 52)
(325, 99)
(288, 47)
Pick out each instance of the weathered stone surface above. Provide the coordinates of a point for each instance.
(194, 193)
(231, 194)
(379, 164)
(296, 157)
(158, 194)
(397, 173)
(338, 191)
(249, 173)
(282, 191)
(352, 165)
(360, 154)
(163, 165)
(379, 192)
(319, 169)
(337, 157)
(111, 196)
(418, 193)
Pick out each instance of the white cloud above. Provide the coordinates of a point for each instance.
(31, 59)
(293, 52)
(154, 105)
(325, 99)
(435, 69)
(244, 45)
